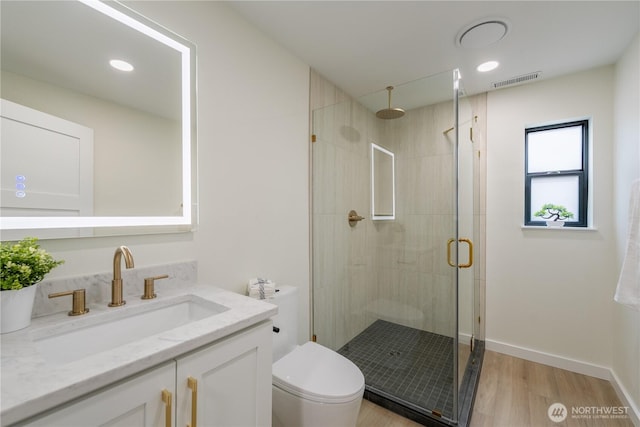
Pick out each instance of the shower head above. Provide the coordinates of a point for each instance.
(390, 113)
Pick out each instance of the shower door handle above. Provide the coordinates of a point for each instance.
(470, 243)
(449, 242)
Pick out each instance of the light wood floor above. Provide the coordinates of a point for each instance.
(517, 393)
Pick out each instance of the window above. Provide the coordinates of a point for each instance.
(556, 160)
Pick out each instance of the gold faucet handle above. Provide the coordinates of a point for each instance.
(149, 284)
(79, 301)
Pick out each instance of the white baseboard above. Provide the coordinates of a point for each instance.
(625, 397)
(550, 359)
(464, 338)
(573, 366)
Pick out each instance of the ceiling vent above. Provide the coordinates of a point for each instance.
(517, 80)
(482, 33)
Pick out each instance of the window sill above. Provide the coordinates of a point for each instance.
(544, 227)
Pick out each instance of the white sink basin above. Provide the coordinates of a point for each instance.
(106, 331)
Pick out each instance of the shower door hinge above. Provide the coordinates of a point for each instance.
(479, 319)
(471, 134)
(313, 137)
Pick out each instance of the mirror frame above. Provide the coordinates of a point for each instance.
(375, 147)
(120, 224)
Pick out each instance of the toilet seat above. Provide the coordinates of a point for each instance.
(317, 373)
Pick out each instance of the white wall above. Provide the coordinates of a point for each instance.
(626, 322)
(549, 292)
(253, 99)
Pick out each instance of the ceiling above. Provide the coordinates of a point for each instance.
(364, 46)
(361, 46)
(69, 45)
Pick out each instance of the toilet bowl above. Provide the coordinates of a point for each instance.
(312, 385)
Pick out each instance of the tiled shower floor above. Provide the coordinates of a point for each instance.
(408, 364)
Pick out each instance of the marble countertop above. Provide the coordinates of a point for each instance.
(32, 384)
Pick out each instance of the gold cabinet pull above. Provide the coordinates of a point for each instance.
(167, 398)
(470, 243)
(192, 383)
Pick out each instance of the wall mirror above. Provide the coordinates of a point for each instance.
(141, 148)
(383, 197)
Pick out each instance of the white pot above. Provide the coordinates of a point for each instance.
(16, 308)
(555, 223)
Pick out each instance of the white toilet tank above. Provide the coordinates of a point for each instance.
(285, 322)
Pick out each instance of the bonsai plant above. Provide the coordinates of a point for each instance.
(24, 264)
(553, 213)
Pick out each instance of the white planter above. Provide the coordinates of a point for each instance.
(555, 223)
(16, 308)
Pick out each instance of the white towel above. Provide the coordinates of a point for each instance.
(261, 288)
(628, 290)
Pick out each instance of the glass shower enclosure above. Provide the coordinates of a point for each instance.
(392, 216)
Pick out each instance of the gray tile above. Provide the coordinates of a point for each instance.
(409, 364)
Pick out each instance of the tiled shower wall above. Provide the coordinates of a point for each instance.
(413, 275)
(393, 270)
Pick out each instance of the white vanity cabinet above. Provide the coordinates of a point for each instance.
(230, 382)
(133, 402)
(227, 383)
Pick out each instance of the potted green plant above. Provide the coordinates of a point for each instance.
(554, 214)
(24, 264)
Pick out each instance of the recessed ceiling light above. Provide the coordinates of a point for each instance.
(121, 65)
(487, 66)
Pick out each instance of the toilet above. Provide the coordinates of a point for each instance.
(312, 385)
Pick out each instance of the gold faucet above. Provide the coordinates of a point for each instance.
(116, 283)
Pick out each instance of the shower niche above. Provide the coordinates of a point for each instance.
(383, 187)
(394, 295)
